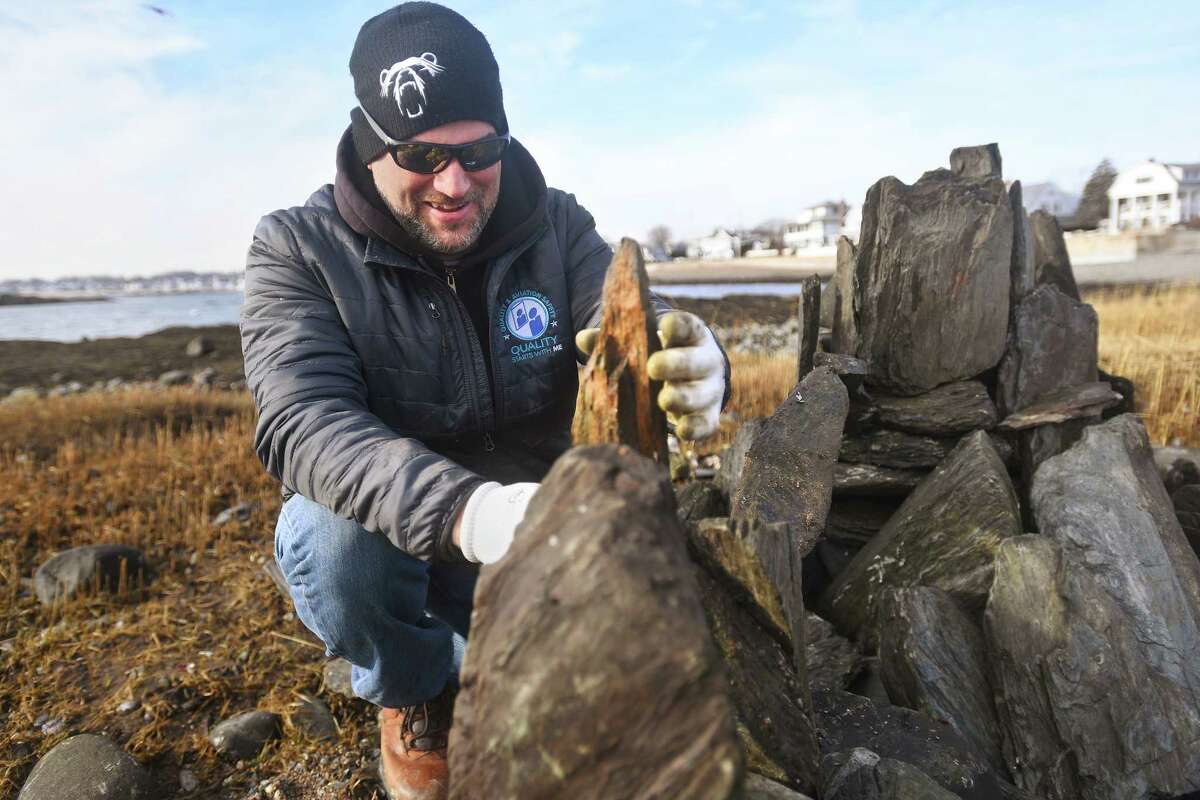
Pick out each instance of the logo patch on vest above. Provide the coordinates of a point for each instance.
(529, 326)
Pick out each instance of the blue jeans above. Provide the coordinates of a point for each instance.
(400, 622)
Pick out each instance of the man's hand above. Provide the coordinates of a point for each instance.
(691, 367)
(484, 530)
(692, 370)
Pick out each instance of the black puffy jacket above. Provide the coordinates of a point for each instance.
(372, 393)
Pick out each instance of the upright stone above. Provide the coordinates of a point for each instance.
(829, 299)
(1054, 345)
(617, 401)
(930, 281)
(845, 316)
(768, 684)
(978, 161)
(591, 671)
(1051, 262)
(945, 535)
(1022, 269)
(733, 458)
(788, 477)
(810, 323)
(1094, 627)
(932, 659)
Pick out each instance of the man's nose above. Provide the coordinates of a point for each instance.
(452, 181)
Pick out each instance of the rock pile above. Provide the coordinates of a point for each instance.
(1007, 603)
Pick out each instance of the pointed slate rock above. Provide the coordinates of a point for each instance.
(557, 698)
(1054, 345)
(617, 401)
(845, 337)
(789, 469)
(932, 659)
(944, 535)
(1051, 262)
(810, 324)
(1022, 270)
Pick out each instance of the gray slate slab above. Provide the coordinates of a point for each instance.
(1094, 627)
(932, 659)
(949, 410)
(1053, 345)
(928, 297)
(944, 535)
(788, 476)
(1051, 262)
(555, 690)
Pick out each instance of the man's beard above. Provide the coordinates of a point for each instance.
(458, 242)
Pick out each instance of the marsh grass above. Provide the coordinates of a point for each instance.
(209, 636)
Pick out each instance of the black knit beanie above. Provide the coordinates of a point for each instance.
(418, 66)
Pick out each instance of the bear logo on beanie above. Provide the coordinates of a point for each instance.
(393, 80)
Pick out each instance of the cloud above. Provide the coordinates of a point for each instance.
(127, 172)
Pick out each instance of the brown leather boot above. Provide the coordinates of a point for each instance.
(412, 749)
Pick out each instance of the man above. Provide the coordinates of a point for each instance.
(407, 335)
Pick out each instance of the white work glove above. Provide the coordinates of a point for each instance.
(490, 517)
(692, 370)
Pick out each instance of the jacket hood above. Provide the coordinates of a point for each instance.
(519, 210)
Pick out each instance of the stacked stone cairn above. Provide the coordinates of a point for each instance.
(1006, 605)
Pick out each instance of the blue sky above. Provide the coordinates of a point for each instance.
(138, 142)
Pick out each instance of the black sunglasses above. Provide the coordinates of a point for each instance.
(428, 158)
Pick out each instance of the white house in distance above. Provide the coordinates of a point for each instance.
(720, 245)
(817, 227)
(1049, 198)
(1153, 196)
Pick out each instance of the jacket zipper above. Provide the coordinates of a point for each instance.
(488, 443)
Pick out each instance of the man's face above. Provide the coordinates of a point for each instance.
(448, 210)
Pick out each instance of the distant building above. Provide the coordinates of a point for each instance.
(720, 245)
(1153, 196)
(1049, 198)
(817, 226)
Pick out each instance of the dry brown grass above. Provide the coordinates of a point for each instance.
(1152, 337)
(210, 636)
(202, 641)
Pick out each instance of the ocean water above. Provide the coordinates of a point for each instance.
(120, 316)
(136, 316)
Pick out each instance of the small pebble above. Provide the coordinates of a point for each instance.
(187, 780)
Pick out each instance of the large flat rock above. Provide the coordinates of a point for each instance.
(591, 671)
(927, 300)
(944, 535)
(949, 410)
(1094, 627)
